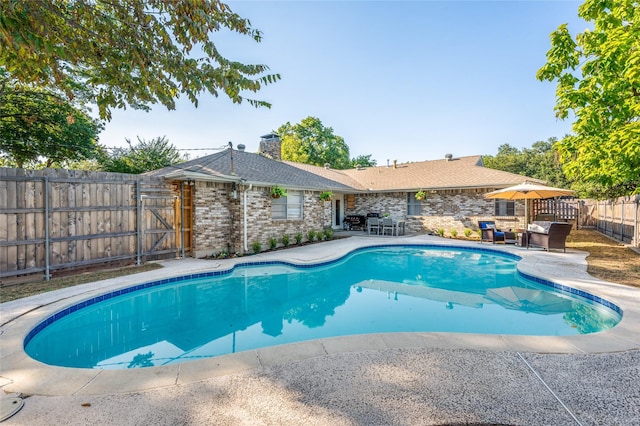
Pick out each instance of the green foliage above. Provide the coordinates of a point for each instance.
(440, 232)
(467, 232)
(145, 156)
(298, 237)
(310, 142)
(311, 235)
(598, 83)
(326, 196)
(286, 240)
(273, 243)
(328, 234)
(363, 161)
(256, 247)
(421, 195)
(131, 53)
(453, 233)
(540, 162)
(277, 192)
(37, 125)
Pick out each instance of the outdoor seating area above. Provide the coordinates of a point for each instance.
(490, 233)
(385, 226)
(548, 235)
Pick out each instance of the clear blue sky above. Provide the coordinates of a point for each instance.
(409, 81)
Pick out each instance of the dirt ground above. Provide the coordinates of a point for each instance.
(608, 259)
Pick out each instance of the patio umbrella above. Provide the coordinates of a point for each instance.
(529, 300)
(526, 191)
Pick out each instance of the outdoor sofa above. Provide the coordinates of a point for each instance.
(548, 235)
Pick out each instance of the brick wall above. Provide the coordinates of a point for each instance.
(219, 220)
(453, 209)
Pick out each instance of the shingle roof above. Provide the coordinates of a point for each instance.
(457, 173)
(253, 168)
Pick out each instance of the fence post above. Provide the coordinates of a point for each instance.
(138, 224)
(622, 221)
(182, 215)
(636, 243)
(47, 237)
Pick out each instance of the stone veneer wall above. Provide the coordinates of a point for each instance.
(216, 218)
(452, 209)
(219, 222)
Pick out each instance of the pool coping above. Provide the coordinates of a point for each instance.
(21, 374)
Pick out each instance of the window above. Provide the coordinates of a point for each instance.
(414, 207)
(289, 207)
(505, 208)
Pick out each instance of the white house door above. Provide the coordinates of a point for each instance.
(337, 211)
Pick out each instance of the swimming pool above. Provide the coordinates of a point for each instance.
(372, 290)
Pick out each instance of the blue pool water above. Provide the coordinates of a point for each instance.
(374, 290)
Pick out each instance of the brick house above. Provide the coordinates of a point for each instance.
(226, 201)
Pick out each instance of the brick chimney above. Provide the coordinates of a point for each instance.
(270, 146)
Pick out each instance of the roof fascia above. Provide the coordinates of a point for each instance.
(180, 175)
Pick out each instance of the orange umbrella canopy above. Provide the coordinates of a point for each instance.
(528, 191)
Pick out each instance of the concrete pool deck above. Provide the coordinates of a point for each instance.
(395, 378)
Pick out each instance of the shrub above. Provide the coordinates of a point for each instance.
(298, 237)
(467, 232)
(479, 231)
(273, 243)
(277, 192)
(454, 233)
(311, 235)
(256, 246)
(326, 196)
(328, 234)
(440, 232)
(285, 240)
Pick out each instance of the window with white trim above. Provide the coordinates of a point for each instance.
(289, 207)
(505, 208)
(414, 207)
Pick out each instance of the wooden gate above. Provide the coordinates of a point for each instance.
(52, 220)
(157, 236)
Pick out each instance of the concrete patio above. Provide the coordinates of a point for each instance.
(381, 379)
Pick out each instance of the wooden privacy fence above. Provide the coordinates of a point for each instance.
(59, 219)
(619, 218)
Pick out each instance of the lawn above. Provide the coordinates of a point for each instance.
(608, 260)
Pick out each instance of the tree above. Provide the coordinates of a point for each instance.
(598, 80)
(539, 162)
(38, 125)
(311, 143)
(363, 161)
(127, 53)
(145, 156)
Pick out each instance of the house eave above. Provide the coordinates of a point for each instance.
(182, 175)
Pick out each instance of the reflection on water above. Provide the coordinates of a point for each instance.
(381, 290)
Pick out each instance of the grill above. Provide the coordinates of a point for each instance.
(354, 221)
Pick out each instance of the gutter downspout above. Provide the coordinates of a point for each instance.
(244, 217)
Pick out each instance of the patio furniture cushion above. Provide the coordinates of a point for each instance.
(491, 234)
(555, 238)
